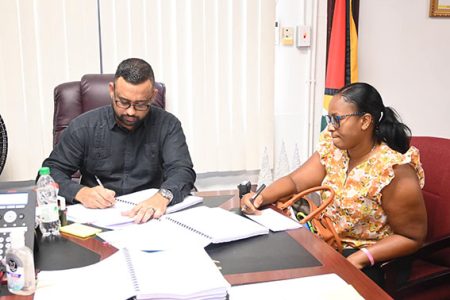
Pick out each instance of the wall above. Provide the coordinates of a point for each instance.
(299, 79)
(405, 55)
(401, 52)
(214, 57)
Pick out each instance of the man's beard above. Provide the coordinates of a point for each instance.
(127, 120)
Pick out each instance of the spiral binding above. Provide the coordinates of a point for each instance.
(189, 227)
(131, 270)
(126, 201)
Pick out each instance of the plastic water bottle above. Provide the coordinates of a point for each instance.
(19, 262)
(47, 193)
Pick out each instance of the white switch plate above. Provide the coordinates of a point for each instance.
(303, 36)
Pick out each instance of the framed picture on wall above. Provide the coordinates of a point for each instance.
(439, 8)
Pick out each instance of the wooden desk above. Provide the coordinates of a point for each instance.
(332, 261)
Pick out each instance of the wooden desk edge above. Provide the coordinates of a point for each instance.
(331, 261)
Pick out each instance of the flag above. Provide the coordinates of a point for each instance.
(342, 48)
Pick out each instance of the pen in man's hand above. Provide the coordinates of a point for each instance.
(98, 181)
(258, 191)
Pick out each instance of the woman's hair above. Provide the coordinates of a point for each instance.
(388, 127)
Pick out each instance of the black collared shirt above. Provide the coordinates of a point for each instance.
(153, 155)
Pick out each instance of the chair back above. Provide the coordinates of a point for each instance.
(435, 158)
(71, 99)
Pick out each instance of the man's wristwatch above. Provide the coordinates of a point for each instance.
(166, 194)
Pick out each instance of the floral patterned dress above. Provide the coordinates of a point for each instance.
(357, 211)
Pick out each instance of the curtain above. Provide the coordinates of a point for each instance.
(216, 58)
(342, 48)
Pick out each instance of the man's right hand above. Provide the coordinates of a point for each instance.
(96, 197)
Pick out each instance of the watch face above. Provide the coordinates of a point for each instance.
(166, 194)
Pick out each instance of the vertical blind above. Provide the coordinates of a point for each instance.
(216, 58)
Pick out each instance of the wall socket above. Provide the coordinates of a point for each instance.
(287, 36)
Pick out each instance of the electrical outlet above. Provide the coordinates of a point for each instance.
(287, 36)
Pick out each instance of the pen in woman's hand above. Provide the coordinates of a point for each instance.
(252, 199)
(258, 191)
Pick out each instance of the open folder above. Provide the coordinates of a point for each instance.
(129, 273)
(112, 217)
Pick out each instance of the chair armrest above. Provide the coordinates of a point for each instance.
(426, 250)
(391, 268)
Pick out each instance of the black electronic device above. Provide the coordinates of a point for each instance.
(17, 213)
(244, 188)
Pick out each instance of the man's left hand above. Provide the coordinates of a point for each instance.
(152, 208)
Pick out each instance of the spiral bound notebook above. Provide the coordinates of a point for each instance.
(216, 224)
(112, 217)
(199, 225)
(130, 273)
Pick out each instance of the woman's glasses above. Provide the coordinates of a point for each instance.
(335, 120)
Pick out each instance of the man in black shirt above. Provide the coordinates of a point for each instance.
(123, 148)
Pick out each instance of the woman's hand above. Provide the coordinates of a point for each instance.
(251, 208)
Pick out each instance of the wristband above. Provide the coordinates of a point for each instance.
(369, 255)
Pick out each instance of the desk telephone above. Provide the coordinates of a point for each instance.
(17, 212)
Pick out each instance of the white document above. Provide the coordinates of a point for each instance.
(128, 273)
(112, 217)
(319, 287)
(274, 220)
(198, 226)
(216, 223)
(155, 235)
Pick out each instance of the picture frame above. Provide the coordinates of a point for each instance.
(439, 8)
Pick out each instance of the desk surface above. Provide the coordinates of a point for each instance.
(330, 260)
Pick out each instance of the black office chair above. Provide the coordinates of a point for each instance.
(3, 144)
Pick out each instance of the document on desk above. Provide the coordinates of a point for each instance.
(274, 220)
(199, 226)
(112, 217)
(319, 287)
(128, 273)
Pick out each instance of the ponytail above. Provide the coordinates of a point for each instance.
(390, 129)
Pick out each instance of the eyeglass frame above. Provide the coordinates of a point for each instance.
(335, 120)
(127, 103)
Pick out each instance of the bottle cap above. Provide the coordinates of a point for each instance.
(44, 171)
(17, 238)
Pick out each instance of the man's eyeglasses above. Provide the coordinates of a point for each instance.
(336, 120)
(125, 104)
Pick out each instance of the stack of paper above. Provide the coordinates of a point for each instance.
(128, 273)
